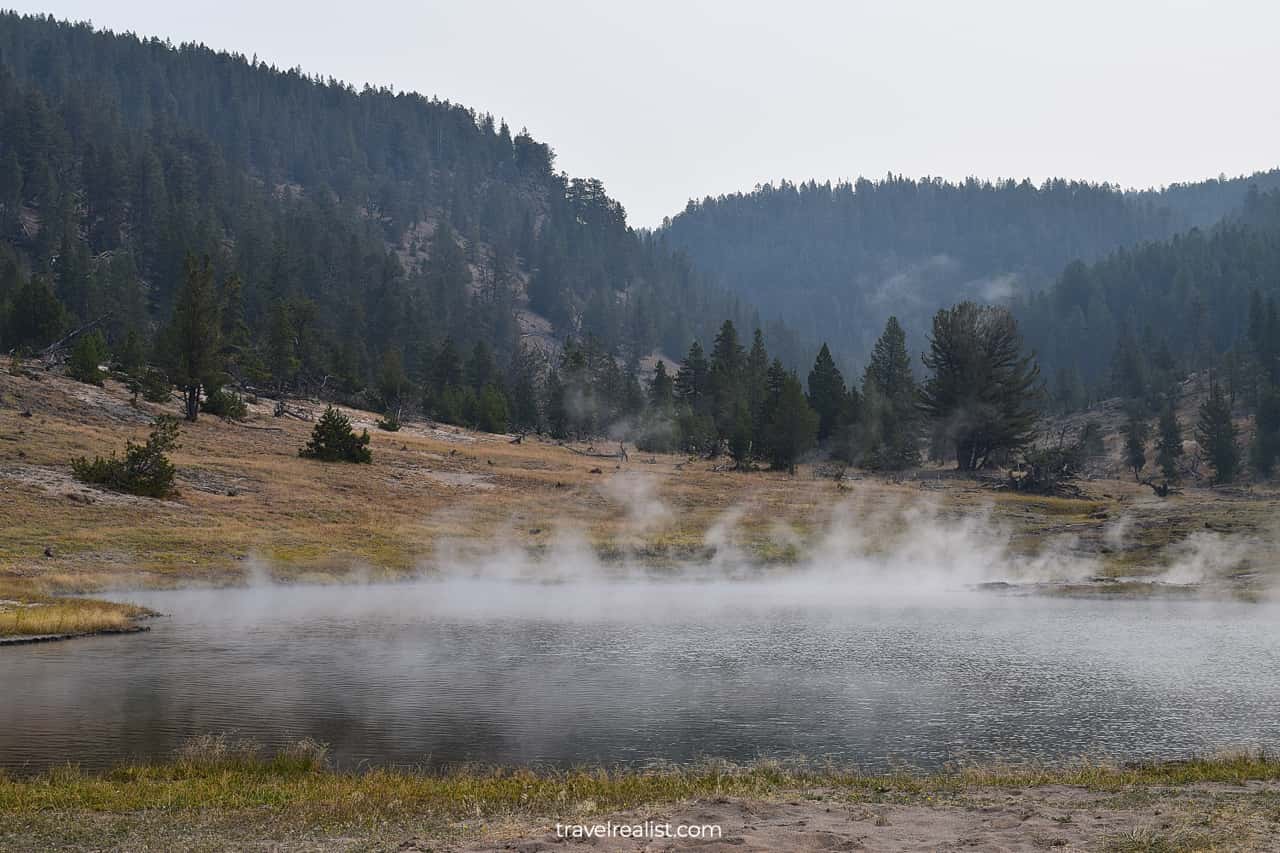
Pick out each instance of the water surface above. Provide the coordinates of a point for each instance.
(506, 672)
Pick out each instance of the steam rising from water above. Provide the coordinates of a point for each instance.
(864, 551)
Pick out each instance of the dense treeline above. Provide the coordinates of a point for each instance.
(1138, 321)
(979, 404)
(344, 228)
(834, 259)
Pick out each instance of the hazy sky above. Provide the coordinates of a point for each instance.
(670, 100)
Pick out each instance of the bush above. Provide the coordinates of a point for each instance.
(145, 469)
(225, 404)
(155, 386)
(87, 356)
(390, 422)
(333, 440)
(130, 356)
(491, 410)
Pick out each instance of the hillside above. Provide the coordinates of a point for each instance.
(835, 260)
(1131, 320)
(249, 509)
(349, 228)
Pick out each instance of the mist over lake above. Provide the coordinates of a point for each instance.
(500, 671)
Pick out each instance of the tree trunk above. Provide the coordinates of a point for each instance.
(192, 394)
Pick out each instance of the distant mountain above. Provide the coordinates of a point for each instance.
(1146, 314)
(835, 260)
(360, 223)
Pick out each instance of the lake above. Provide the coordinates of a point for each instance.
(638, 671)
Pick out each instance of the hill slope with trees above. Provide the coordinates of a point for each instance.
(351, 232)
(834, 260)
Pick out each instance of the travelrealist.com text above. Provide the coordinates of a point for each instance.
(647, 829)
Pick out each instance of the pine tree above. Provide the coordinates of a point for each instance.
(1216, 433)
(36, 317)
(491, 413)
(1169, 443)
(282, 349)
(523, 373)
(392, 382)
(194, 334)
(557, 410)
(333, 440)
(661, 389)
(725, 379)
(1265, 450)
(826, 393)
(740, 437)
(691, 378)
(481, 368)
(87, 356)
(983, 390)
(1135, 443)
(792, 424)
(890, 384)
(757, 386)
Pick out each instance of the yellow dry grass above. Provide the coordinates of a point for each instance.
(221, 773)
(246, 500)
(24, 613)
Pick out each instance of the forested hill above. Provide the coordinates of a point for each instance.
(835, 260)
(1141, 318)
(348, 227)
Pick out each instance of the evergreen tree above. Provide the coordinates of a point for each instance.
(1135, 443)
(523, 373)
(282, 349)
(725, 379)
(826, 393)
(194, 334)
(392, 382)
(333, 440)
(890, 397)
(983, 390)
(130, 355)
(36, 317)
(492, 410)
(661, 389)
(447, 371)
(792, 424)
(692, 379)
(757, 385)
(1216, 433)
(740, 437)
(557, 407)
(481, 368)
(145, 469)
(1169, 443)
(87, 356)
(1266, 440)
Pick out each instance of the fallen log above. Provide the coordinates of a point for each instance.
(61, 342)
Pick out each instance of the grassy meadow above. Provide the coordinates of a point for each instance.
(247, 505)
(220, 791)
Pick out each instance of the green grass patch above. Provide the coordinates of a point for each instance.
(219, 773)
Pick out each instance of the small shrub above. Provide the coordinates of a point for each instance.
(390, 422)
(491, 410)
(333, 440)
(130, 355)
(155, 386)
(225, 404)
(85, 364)
(145, 469)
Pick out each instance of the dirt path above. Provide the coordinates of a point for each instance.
(1216, 817)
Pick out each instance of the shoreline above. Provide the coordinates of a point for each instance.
(220, 794)
(33, 639)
